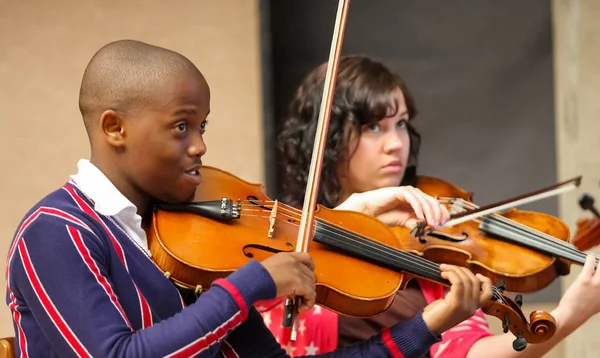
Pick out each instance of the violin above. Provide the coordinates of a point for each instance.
(525, 249)
(359, 262)
(587, 234)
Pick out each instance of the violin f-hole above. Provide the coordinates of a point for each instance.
(448, 237)
(249, 254)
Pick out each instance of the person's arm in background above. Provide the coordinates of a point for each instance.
(579, 303)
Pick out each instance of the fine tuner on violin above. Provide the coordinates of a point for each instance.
(359, 264)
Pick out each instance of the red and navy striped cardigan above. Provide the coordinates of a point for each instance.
(78, 286)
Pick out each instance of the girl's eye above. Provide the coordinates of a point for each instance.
(374, 127)
(203, 126)
(402, 123)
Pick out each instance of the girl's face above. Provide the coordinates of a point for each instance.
(379, 155)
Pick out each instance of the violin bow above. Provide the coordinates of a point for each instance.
(312, 186)
(459, 218)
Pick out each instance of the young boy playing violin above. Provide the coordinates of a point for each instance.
(81, 280)
(372, 145)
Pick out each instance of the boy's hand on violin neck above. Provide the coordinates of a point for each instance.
(582, 299)
(293, 274)
(467, 293)
(398, 206)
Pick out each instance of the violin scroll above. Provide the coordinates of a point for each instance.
(540, 328)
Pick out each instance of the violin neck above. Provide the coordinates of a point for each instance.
(378, 253)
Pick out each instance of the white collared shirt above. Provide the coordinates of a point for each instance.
(109, 201)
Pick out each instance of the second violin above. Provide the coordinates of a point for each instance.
(525, 249)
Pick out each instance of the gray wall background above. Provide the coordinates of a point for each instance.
(481, 73)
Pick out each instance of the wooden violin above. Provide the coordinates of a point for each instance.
(359, 262)
(525, 249)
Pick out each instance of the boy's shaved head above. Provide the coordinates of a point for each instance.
(123, 75)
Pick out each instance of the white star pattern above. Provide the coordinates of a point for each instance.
(267, 318)
(289, 348)
(301, 326)
(311, 350)
(317, 310)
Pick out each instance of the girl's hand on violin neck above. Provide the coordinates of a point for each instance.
(293, 274)
(467, 293)
(398, 206)
(582, 299)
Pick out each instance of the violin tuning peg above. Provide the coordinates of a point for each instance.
(519, 343)
(519, 300)
(505, 324)
(501, 286)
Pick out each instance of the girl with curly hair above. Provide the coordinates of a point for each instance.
(372, 144)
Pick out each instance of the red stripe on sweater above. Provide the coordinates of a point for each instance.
(209, 339)
(145, 312)
(91, 264)
(386, 337)
(237, 296)
(17, 318)
(26, 223)
(29, 220)
(48, 305)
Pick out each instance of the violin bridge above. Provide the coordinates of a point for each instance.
(272, 219)
(457, 208)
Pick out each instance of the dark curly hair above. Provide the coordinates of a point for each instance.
(364, 94)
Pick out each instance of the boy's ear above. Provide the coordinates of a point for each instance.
(111, 126)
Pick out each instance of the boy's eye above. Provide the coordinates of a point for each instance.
(182, 127)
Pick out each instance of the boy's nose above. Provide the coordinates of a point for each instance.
(197, 147)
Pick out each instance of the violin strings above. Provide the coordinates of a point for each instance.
(550, 243)
(536, 237)
(517, 224)
(425, 266)
(415, 261)
(386, 251)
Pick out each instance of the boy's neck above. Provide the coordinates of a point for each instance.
(123, 186)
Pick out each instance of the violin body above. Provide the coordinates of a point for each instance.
(523, 269)
(196, 250)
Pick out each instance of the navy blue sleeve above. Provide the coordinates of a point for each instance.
(54, 258)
